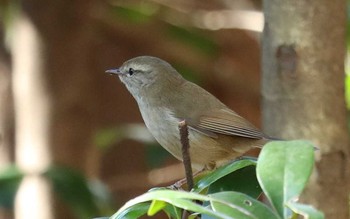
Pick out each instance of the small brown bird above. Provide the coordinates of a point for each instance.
(216, 133)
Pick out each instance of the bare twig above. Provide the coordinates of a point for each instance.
(186, 153)
(186, 158)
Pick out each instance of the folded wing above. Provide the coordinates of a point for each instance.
(226, 122)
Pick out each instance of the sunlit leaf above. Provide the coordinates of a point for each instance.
(307, 211)
(241, 206)
(136, 211)
(179, 199)
(155, 207)
(283, 170)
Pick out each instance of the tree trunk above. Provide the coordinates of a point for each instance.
(303, 91)
(6, 113)
(54, 92)
(33, 120)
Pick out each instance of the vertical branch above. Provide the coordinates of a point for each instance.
(186, 153)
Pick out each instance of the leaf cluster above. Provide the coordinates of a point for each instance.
(232, 191)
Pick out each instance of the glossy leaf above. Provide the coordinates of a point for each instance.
(283, 170)
(221, 172)
(155, 207)
(135, 211)
(242, 180)
(306, 211)
(185, 200)
(241, 206)
(173, 212)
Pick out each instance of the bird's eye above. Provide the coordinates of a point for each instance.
(131, 71)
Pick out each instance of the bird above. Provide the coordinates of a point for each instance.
(217, 134)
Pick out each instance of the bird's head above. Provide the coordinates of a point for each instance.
(146, 73)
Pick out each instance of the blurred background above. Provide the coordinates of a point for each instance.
(74, 132)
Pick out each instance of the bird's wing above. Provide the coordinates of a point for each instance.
(226, 122)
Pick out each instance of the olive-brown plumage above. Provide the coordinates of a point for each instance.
(216, 133)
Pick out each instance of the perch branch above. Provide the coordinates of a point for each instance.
(183, 128)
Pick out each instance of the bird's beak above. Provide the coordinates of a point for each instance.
(115, 71)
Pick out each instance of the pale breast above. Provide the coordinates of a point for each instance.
(164, 127)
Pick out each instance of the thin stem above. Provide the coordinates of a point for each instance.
(183, 128)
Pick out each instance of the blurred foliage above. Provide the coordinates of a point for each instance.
(347, 64)
(156, 155)
(283, 170)
(10, 179)
(104, 138)
(8, 12)
(72, 187)
(188, 72)
(194, 38)
(145, 12)
(86, 199)
(347, 88)
(107, 137)
(348, 25)
(136, 13)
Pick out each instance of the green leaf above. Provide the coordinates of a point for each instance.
(72, 187)
(221, 172)
(241, 206)
(306, 211)
(193, 216)
(135, 211)
(155, 207)
(283, 170)
(242, 180)
(10, 178)
(173, 211)
(179, 199)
